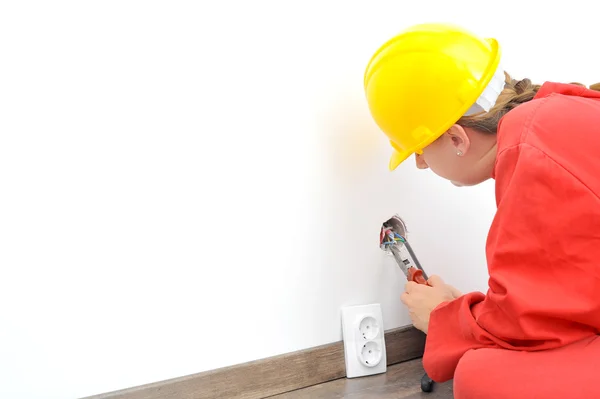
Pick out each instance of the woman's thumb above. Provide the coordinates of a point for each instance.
(434, 281)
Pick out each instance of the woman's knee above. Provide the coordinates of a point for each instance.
(465, 376)
(570, 371)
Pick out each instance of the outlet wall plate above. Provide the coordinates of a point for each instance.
(364, 340)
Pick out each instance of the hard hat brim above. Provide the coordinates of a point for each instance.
(397, 158)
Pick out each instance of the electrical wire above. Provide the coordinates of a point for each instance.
(400, 237)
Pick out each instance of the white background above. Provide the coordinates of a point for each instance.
(190, 185)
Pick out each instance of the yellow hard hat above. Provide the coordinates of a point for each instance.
(422, 81)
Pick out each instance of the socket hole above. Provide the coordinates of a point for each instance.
(369, 327)
(371, 354)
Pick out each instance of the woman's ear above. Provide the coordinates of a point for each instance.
(460, 140)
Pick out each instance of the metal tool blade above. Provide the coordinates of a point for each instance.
(401, 262)
(397, 225)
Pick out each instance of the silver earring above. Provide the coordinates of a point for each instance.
(459, 153)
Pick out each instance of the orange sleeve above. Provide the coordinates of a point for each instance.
(543, 254)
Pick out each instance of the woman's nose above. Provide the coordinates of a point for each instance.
(421, 164)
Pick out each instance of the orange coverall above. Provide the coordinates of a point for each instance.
(534, 334)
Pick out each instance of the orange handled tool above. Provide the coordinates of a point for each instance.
(416, 275)
(392, 238)
(411, 267)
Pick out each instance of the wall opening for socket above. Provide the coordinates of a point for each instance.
(370, 354)
(369, 328)
(396, 224)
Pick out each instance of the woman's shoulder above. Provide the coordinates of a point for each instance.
(563, 126)
(559, 117)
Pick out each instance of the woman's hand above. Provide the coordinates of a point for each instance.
(421, 299)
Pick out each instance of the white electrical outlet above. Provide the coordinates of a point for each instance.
(364, 342)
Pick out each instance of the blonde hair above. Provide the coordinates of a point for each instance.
(515, 93)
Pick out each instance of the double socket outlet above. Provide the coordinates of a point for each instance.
(364, 342)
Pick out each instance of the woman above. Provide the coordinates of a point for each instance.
(438, 91)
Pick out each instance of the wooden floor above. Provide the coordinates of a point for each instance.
(402, 380)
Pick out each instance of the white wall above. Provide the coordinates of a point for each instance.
(184, 187)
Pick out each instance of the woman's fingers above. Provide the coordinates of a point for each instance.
(435, 281)
(404, 298)
(410, 286)
(455, 293)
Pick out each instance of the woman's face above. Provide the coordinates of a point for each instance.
(462, 156)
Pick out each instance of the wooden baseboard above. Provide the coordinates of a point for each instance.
(274, 375)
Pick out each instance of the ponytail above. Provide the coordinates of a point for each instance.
(515, 93)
